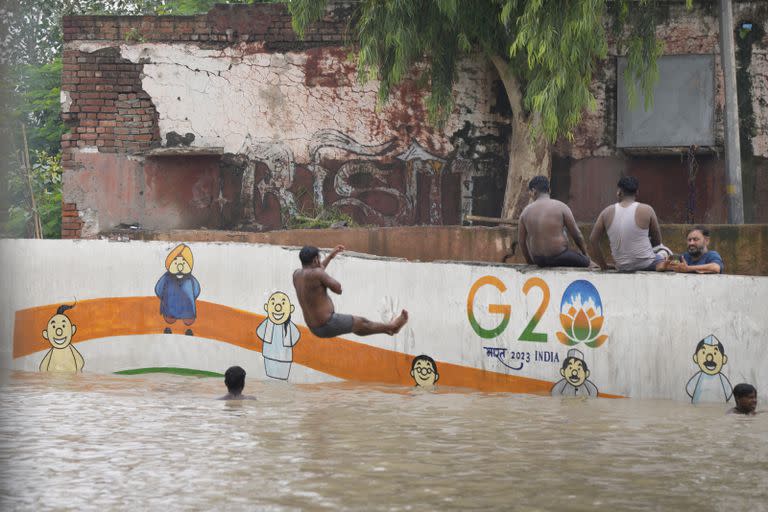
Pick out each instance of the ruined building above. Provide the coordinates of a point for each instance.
(226, 120)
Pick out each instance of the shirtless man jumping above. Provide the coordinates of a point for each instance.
(312, 284)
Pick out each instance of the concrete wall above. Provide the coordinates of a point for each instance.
(743, 248)
(489, 327)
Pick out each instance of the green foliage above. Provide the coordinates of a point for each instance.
(46, 185)
(552, 47)
(317, 218)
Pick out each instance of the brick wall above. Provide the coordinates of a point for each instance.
(106, 109)
(225, 23)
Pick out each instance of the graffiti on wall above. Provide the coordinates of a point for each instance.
(279, 335)
(375, 183)
(709, 384)
(178, 289)
(62, 356)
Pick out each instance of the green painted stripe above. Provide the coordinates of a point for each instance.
(187, 372)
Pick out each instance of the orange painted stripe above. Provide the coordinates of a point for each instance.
(342, 358)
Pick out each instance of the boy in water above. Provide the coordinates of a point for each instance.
(746, 399)
(234, 378)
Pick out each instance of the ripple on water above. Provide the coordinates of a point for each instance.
(106, 442)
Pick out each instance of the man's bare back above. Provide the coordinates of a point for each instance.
(312, 283)
(544, 221)
(544, 228)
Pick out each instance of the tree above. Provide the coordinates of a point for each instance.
(545, 52)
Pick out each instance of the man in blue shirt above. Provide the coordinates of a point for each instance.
(699, 258)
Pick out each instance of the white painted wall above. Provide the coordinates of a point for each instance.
(653, 321)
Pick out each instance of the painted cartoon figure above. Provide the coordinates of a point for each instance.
(575, 377)
(424, 371)
(708, 384)
(178, 289)
(279, 335)
(62, 357)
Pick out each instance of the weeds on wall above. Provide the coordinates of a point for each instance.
(317, 218)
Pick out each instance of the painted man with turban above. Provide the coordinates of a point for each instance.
(178, 289)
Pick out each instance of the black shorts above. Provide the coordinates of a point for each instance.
(567, 258)
(336, 325)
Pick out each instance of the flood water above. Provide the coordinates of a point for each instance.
(162, 442)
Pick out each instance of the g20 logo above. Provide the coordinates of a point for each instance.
(581, 312)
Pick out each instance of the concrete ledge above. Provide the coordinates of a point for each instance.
(744, 248)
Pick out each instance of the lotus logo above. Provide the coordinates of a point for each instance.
(581, 315)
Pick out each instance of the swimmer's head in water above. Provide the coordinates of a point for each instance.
(60, 328)
(574, 371)
(279, 308)
(710, 355)
(539, 184)
(745, 396)
(308, 254)
(627, 186)
(424, 371)
(180, 261)
(234, 378)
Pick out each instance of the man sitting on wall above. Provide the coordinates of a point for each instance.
(698, 258)
(542, 230)
(632, 228)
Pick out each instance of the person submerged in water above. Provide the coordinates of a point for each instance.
(234, 379)
(312, 283)
(745, 396)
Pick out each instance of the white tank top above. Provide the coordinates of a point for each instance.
(630, 244)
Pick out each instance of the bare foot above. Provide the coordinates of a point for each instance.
(399, 322)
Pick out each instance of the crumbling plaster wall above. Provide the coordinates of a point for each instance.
(297, 129)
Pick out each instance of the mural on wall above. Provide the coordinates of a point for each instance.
(62, 356)
(709, 384)
(581, 315)
(575, 373)
(279, 335)
(178, 289)
(378, 184)
(424, 371)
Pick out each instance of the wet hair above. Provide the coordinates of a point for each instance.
(423, 357)
(628, 185)
(61, 309)
(568, 361)
(308, 254)
(743, 389)
(539, 184)
(234, 378)
(719, 346)
(703, 229)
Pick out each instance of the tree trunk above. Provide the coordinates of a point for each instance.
(528, 156)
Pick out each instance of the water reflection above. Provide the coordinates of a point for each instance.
(108, 442)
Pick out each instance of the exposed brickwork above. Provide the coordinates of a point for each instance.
(108, 110)
(71, 225)
(225, 23)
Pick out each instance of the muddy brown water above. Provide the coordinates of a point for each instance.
(163, 442)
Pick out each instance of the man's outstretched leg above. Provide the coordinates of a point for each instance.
(364, 327)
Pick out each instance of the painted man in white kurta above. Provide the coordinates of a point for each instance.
(709, 384)
(279, 335)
